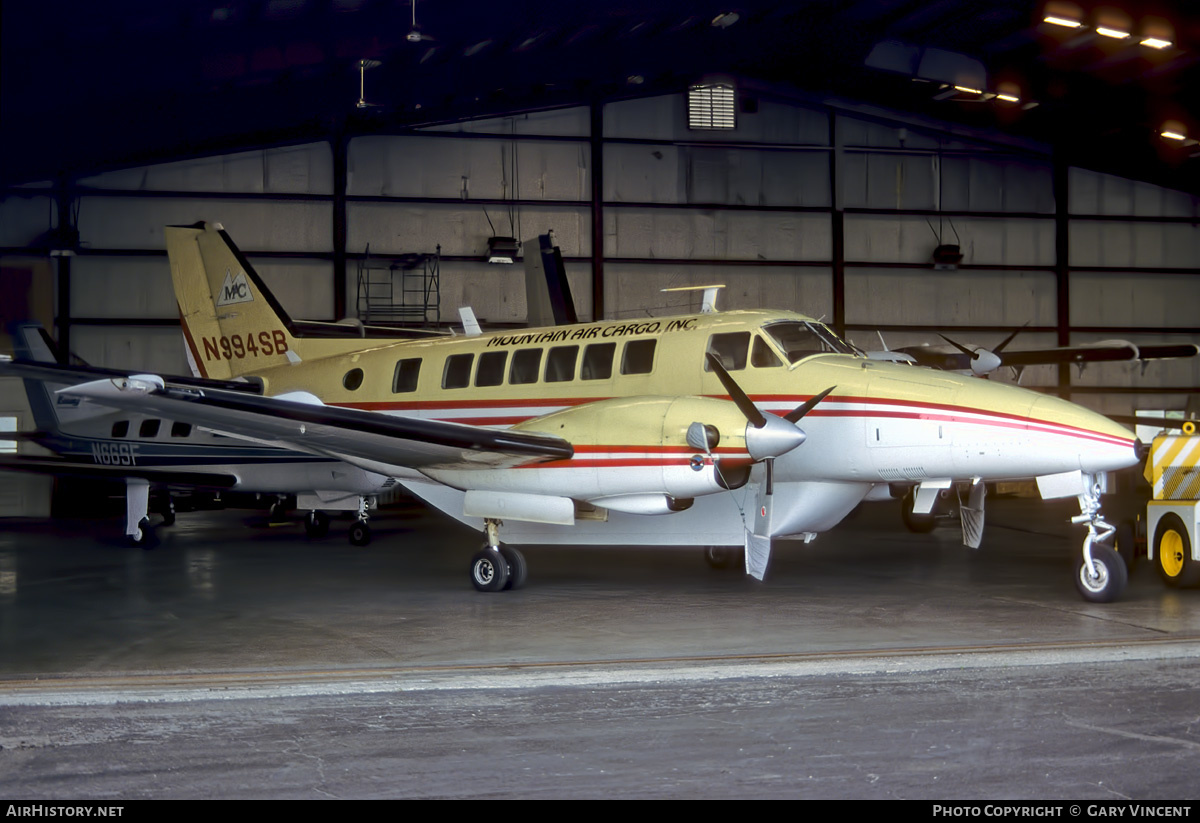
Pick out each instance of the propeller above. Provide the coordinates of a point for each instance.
(984, 361)
(767, 437)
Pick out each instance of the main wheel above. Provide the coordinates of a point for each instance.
(917, 523)
(316, 524)
(518, 570)
(360, 533)
(723, 557)
(489, 570)
(143, 538)
(1173, 553)
(1109, 581)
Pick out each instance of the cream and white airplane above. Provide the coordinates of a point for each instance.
(659, 431)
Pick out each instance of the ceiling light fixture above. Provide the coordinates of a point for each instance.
(1115, 34)
(503, 250)
(1008, 98)
(968, 90)
(1156, 43)
(1061, 21)
(725, 19)
(1173, 135)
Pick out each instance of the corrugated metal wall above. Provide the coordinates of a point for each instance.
(813, 208)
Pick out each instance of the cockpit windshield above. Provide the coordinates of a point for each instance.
(799, 340)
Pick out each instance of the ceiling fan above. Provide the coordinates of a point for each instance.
(416, 36)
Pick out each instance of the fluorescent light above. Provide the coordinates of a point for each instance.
(1061, 21)
(1008, 98)
(968, 90)
(1156, 43)
(1115, 34)
(1173, 135)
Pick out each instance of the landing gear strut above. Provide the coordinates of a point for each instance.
(1101, 575)
(360, 532)
(316, 524)
(495, 567)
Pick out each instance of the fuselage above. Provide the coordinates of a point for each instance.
(883, 423)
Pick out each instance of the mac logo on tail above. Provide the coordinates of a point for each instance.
(234, 289)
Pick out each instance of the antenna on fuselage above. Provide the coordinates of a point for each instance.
(708, 303)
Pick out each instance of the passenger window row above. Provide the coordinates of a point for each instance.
(525, 365)
(149, 428)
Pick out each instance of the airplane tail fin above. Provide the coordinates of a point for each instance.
(50, 411)
(232, 325)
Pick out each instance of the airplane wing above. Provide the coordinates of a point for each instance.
(982, 360)
(299, 421)
(72, 468)
(59, 373)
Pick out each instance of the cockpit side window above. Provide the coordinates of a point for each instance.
(730, 349)
(800, 340)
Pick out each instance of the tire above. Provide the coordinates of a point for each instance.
(144, 537)
(917, 523)
(724, 557)
(489, 570)
(360, 533)
(1111, 576)
(518, 569)
(316, 524)
(1173, 553)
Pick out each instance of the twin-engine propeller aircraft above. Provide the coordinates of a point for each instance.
(150, 453)
(661, 431)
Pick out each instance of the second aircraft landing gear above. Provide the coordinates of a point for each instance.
(495, 567)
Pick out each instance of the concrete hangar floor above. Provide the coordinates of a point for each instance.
(240, 660)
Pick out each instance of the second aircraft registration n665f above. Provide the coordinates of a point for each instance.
(665, 431)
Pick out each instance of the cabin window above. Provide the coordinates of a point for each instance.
(404, 379)
(525, 366)
(491, 368)
(597, 361)
(120, 428)
(181, 429)
(457, 374)
(730, 349)
(353, 379)
(149, 428)
(560, 364)
(761, 356)
(638, 357)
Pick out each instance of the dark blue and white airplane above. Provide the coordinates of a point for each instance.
(148, 452)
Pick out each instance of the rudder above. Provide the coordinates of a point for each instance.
(232, 324)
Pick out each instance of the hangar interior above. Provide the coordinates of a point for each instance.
(812, 194)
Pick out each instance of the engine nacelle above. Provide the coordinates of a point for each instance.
(630, 451)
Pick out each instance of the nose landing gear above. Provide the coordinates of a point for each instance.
(1101, 575)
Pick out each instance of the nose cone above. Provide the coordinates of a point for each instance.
(1102, 445)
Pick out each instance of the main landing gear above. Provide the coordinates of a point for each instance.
(316, 524)
(496, 567)
(1101, 575)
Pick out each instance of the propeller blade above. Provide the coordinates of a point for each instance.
(958, 346)
(795, 414)
(739, 397)
(1009, 339)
